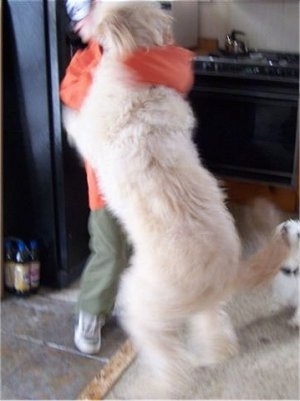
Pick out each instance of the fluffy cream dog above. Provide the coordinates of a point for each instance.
(187, 254)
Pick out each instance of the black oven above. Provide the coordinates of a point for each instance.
(247, 114)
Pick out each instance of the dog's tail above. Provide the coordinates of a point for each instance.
(262, 266)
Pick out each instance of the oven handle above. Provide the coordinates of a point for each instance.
(246, 93)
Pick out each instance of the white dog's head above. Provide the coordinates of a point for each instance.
(124, 26)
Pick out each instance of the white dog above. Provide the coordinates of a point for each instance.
(286, 283)
(187, 254)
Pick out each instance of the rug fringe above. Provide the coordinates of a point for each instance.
(109, 374)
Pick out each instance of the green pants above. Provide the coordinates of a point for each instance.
(109, 257)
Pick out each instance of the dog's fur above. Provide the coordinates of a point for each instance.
(286, 283)
(187, 254)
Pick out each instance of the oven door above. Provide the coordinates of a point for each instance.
(247, 132)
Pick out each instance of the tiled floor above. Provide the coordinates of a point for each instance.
(38, 357)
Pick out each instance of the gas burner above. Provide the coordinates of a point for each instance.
(282, 59)
(224, 54)
(257, 55)
(253, 64)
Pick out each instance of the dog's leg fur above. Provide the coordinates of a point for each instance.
(160, 347)
(211, 337)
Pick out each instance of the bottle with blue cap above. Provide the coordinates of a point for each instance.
(22, 270)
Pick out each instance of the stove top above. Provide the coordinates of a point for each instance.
(253, 64)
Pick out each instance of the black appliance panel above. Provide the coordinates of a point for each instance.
(247, 126)
(45, 194)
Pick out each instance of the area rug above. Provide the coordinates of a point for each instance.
(267, 366)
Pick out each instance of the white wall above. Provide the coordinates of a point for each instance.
(186, 23)
(269, 24)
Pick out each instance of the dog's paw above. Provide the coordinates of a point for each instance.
(290, 232)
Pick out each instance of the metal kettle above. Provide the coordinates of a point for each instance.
(234, 45)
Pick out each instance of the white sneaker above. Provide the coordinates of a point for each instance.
(87, 337)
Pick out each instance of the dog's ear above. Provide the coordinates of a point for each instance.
(122, 28)
(115, 35)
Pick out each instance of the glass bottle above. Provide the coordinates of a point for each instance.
(22, 270)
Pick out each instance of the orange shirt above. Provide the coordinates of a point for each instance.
(168, 65)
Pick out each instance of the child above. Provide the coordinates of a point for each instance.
(168, 65)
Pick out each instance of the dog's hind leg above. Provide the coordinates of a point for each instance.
(162, 349)
(156, 336)
(211, 337)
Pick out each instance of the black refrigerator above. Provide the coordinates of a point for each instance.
(44, 186)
